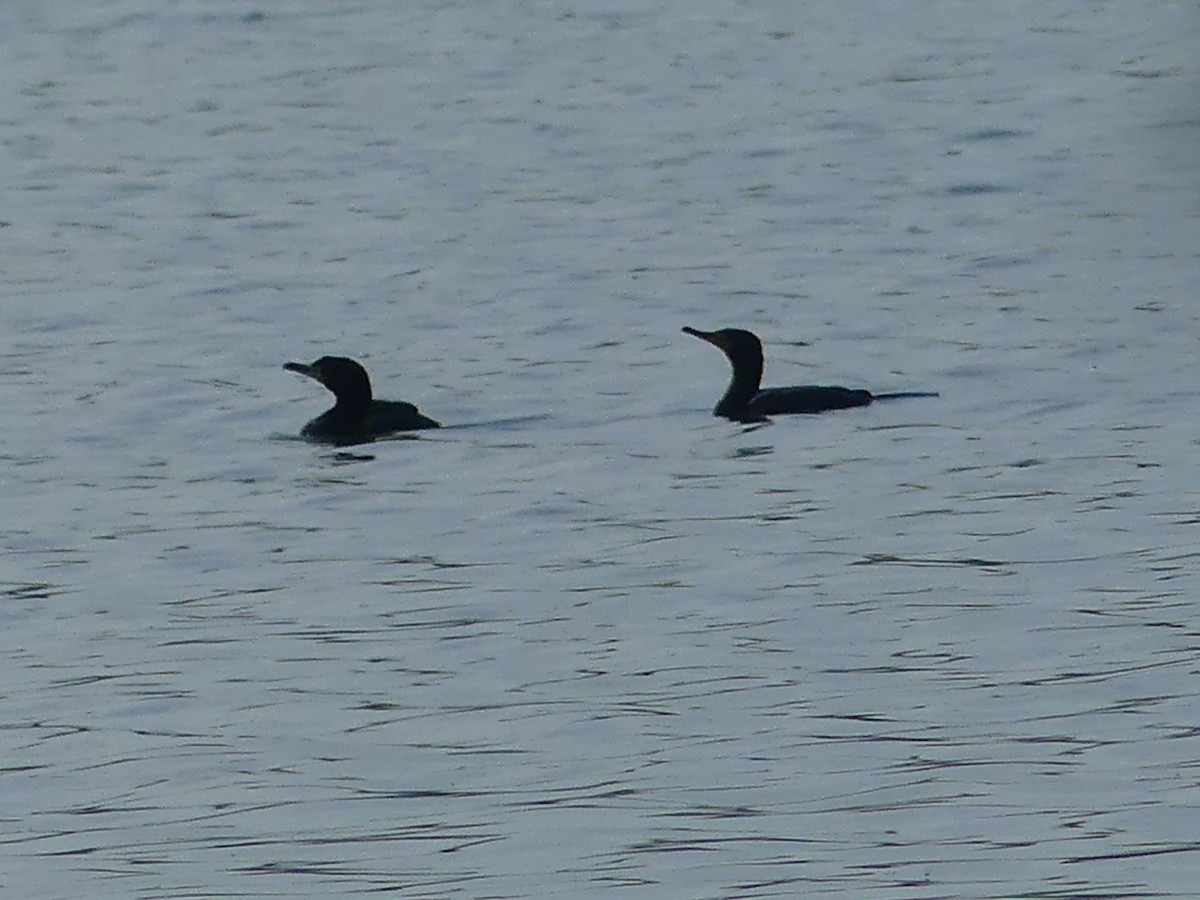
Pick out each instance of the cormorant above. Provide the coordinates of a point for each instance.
(746, 402)
(355, 418)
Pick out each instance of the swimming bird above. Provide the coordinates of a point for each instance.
(355, 418)
(747, 402)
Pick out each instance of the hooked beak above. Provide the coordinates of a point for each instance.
(710, 336)
(304, 369)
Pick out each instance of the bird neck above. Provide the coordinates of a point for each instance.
(351, 405)
(747, 376)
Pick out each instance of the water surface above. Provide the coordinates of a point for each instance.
(596, 641)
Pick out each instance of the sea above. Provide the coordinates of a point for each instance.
(589, 640)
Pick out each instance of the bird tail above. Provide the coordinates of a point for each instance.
(905, 395)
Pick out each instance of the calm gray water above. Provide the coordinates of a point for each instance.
(593, 641)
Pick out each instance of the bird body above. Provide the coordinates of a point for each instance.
(356, 417)
(806, 398)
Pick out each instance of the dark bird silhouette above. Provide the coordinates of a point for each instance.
(746, 401)
(356, 418)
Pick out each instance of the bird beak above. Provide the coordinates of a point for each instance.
(709, 336)
(303, 369)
